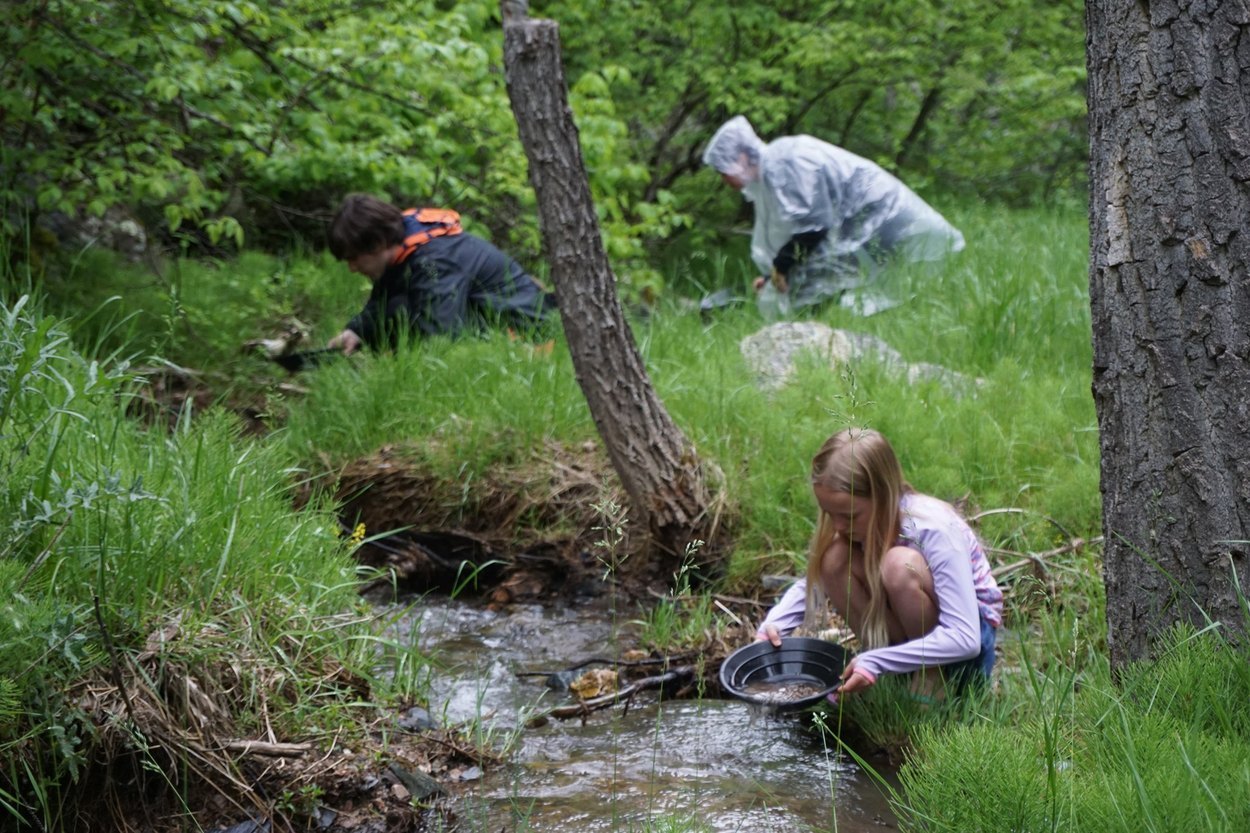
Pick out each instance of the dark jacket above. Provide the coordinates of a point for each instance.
(446, 285)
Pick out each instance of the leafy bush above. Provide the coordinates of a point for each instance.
(218, 123)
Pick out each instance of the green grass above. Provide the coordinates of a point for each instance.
(1161, 750)
(1012, 310)
(682, 619)
(170, 561)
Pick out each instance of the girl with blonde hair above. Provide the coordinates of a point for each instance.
(903, 569)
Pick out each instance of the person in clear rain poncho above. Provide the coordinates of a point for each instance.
(825, 219)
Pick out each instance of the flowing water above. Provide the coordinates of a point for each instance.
(690, 765)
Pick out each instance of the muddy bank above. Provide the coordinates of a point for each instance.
(534, 529)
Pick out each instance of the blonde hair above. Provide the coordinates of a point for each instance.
(861, 463)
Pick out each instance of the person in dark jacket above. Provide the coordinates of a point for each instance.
(429, 276)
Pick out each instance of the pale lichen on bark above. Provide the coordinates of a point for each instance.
(1119, 248)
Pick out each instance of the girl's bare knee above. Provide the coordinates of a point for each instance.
(903, 569)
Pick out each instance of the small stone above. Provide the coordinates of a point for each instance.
(420, 785)
(416, 719)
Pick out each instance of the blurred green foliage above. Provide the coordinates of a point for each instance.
(219, 123)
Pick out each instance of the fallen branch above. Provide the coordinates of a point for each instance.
(729, 612)
(477, 754)
(272, 750)
(683, 674)
(1038, 559)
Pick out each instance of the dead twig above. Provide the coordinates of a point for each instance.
(475, 754)
(1038, 559)
(683, 674)
(272, 750)
(729, 613)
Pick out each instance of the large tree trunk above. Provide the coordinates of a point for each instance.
(655, 462)
(1170, 246)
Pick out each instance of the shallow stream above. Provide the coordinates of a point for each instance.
(695, 765)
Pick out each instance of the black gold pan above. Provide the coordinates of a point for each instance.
(800, 673)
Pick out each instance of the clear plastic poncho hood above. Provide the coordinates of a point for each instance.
(735, 150)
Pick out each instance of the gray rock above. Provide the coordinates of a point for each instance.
(418, 784)
(772, 353)
(249, 826)
(416, 719)
(116, 230)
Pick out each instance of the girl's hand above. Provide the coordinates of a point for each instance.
(769, 632)
(853, 679)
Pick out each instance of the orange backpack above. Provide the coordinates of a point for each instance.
(442, 222)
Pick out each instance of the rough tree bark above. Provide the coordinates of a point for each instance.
(656, 464)
(1169, 104)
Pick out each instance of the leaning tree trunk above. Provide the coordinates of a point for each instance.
(1169, 104)
(655, 462)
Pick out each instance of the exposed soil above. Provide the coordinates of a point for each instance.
(535, 529)
(332, 790)
(539, 529)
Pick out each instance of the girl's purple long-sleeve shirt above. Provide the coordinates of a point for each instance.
(965, 588)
